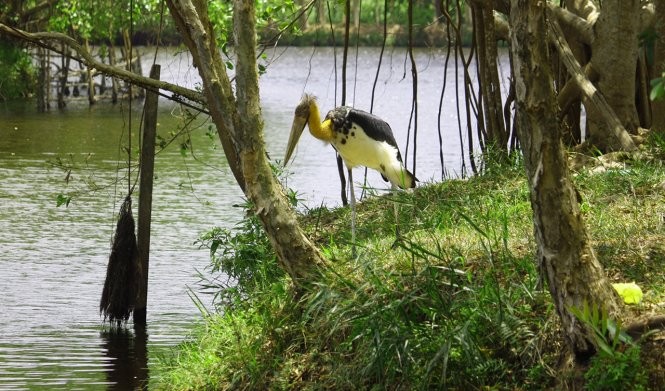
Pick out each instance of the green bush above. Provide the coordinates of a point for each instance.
(17, 74)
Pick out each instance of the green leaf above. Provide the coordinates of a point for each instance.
(62, 199)
(658, 90)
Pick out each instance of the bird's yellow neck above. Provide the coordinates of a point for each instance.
(323, 131)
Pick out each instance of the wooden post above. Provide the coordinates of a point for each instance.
(145, 198)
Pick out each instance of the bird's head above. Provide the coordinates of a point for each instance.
(305, 109)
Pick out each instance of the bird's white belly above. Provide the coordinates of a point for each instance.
(360, 150)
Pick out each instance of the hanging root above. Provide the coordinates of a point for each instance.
(122, 273)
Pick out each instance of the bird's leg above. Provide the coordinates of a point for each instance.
(396, 208)
(353, 215)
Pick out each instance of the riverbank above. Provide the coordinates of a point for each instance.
(396, 35)
(453, 304)
(367, 35)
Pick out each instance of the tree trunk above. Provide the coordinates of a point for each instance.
(321, 13)
(42, 77)
(356, 14)
(565, 257)
(490, 86)
(91, 83)
(239, 122)
(616, 137)
(114, 81)
(64, 72)
(658, 107)
(614, 57)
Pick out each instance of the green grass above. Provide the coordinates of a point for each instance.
(453, 304)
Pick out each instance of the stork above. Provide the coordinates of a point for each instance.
(360, 138)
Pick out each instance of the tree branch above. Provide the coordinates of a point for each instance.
(593, 98)
(586, 9)
(27, 14)
(501, 27)
(647, 16)
(42, 39)
(583, 27)
(637, 329)
(571, 91)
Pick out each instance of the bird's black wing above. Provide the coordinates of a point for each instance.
(374, 127)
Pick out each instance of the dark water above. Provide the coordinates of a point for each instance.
(53, 259)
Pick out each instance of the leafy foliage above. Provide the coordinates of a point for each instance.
(105, 19)
(617, 365)
(17, 74)
(242, 261)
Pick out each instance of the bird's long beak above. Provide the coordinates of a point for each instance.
(297, 128)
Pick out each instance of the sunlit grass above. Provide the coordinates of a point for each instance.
(454, 302)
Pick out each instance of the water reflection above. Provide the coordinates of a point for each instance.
(127, 352)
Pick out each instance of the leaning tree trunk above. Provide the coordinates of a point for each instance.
(240, 128)
(565, 257)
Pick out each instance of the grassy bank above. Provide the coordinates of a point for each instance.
(453, 304)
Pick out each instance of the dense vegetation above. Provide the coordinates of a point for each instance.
(455, 303)
(17, 75)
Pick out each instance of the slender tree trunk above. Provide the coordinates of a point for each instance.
(91, 83)
(356, 13)
(114, 81)
(64, 72)
(565, 257)
(240, 127)
(321, 13)
(41, 81)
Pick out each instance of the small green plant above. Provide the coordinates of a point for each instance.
(620, 371)
(617, 364)
(242, 260)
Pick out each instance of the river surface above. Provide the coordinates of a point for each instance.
(53, 259)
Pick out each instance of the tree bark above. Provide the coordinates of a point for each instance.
(566, 260)
(614, 56)
(615, 137)
(239, 124)
(658, 107)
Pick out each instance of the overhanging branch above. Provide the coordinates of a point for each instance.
(44, 38)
